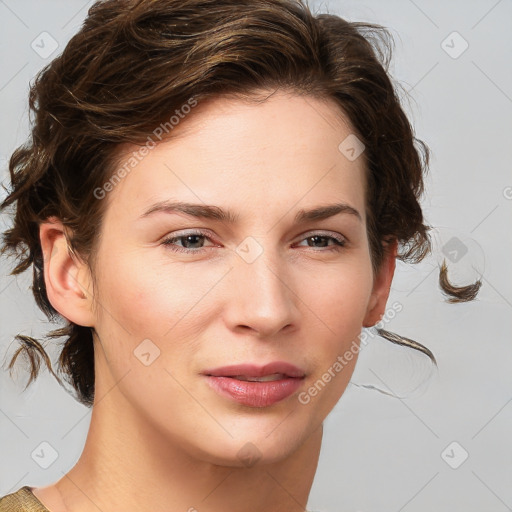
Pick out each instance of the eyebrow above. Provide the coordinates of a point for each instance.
(204, 211)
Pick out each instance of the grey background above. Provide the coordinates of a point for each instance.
(380, 452)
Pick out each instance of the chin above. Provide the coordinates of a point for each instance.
(257, 444)
(248, 454)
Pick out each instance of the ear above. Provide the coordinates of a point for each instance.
(67, 279)
(381, 286)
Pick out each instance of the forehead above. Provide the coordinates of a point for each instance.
(285, 148)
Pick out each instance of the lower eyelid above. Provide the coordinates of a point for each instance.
(338, 242)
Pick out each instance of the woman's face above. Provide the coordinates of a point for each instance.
(182, 297)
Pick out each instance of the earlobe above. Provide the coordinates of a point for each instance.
(381, 286)
(67, 279)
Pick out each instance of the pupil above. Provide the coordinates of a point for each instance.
(189, 237)
(316, 238)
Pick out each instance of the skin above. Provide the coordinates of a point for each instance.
(160, 438)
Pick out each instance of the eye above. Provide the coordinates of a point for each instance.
(323, 239)
(192, 242)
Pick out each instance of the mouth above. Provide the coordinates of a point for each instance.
(256, 386)
(272, 371)
(266, 378)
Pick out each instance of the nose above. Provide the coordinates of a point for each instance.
(262, 296)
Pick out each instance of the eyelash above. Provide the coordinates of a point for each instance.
(169, 242)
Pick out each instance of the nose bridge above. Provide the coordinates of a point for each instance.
(264, 299)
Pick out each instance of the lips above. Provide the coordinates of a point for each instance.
(250, 370)
(256, 386)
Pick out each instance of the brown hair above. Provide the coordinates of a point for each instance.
(134, 62)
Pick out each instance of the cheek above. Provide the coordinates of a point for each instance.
(341, 310)
(146, 299)
(339, 298)
(339, 303)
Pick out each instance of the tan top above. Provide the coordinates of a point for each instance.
(23, 500)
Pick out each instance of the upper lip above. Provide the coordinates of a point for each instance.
(251, 370)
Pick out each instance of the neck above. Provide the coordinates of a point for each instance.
(127, 465)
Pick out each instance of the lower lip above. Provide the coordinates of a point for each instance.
(255, 394)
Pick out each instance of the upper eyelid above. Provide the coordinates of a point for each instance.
(206, 234)
(191, 232)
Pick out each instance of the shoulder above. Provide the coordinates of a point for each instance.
(23, 500)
